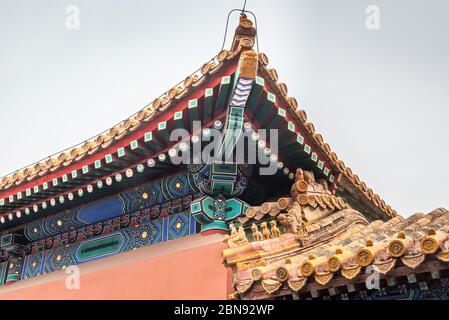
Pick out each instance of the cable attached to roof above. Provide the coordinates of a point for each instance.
(242, 11)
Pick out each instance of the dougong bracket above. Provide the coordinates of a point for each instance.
(215, 214)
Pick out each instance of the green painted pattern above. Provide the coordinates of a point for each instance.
(193, 110)
(108, 158)
(134, 145)
(215, 214)
(222, 94)
(100, 247)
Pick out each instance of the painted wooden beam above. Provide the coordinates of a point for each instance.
(223, 94)
(276, 121)
(255, 95)
(193, 109)
(289, 133)
(113, 162)
(411, 278)
(162, 131)
(391, 281)
(208, 104)
(152, 142)
(124, 155)
(178, 119)
(140, 149)
(265, 108)
(435, 274)
(333, 291)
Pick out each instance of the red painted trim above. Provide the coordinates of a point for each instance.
(124, 142)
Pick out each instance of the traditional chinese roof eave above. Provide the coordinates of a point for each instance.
(119, 136)
(119, 131)
(347, 179)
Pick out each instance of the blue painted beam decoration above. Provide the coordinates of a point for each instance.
(142, 235)
(138, 198)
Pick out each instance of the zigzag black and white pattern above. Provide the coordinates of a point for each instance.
(242, 91)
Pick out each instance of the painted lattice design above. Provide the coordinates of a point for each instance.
(160, 192)
(148, 233)
(179, 226)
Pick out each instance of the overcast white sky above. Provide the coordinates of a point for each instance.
(379, 97)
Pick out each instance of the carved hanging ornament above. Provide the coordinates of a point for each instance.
(297, 283)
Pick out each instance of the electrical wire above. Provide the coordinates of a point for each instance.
(227, 25)
(243, 10)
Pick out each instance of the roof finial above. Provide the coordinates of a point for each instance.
(245, 34)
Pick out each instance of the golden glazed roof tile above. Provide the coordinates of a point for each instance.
(383, 245)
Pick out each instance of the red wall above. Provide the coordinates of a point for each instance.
(192, 273)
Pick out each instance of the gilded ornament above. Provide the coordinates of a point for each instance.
(256, 274)
(257, 235)
(297, 283)
(274, 229)
(248, 64)
(282, 274)
(396, 248)
(271, 286)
